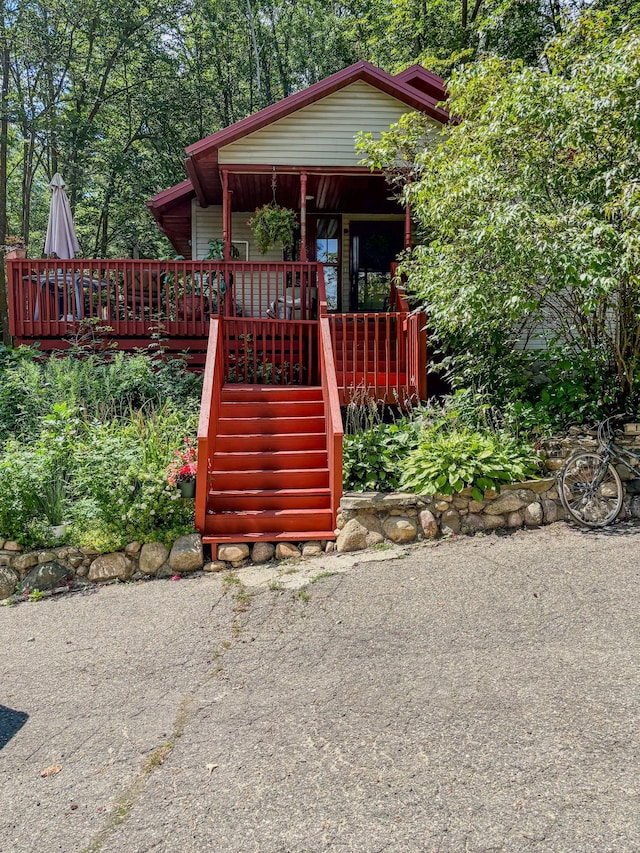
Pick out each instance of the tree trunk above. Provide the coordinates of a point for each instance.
(4, 142)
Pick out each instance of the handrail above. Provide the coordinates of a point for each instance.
(13, 272)
(333, 417)
(417, 353)
(322, 293)
(209, 413)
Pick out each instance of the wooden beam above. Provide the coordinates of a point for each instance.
(226, 216)
(195, 182)
(303, 216)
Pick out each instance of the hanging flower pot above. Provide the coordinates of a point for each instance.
(272, 225)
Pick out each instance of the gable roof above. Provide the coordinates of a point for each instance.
(394, 86)
(416, 87)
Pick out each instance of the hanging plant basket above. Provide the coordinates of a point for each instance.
(273, 225)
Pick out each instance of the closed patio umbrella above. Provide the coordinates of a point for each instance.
(61, 237)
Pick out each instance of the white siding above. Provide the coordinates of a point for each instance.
(321, 134)
(206, 224)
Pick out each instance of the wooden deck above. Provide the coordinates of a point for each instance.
(268, 310)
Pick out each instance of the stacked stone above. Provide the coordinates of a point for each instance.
(54, 568)
(370, 518)
(236, 556)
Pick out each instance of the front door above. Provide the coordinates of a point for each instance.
(374, 246)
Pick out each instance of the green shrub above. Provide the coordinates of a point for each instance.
(99, 385)
(447, 461)
(372, 458)
(88, 440)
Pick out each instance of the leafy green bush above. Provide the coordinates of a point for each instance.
(120, 479)
(99, 385)
(88, 440)
(447, 461)
(372, 458)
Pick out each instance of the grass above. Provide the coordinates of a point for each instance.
(322, 575)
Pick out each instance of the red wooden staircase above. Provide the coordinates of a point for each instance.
(269, 476)
(270, 456)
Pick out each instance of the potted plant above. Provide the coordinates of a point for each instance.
(182, 471)
(51, 503)
(271, 225)
(15, 248)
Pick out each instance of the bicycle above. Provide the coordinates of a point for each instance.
(589, 486)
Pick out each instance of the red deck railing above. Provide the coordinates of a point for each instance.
(270, 305)
(49, 298)
(271, 352)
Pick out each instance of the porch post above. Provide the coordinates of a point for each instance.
(226, 216)
(303, 216)
(407, 226)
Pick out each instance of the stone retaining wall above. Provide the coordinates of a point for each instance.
(366, 519)
(22, 572)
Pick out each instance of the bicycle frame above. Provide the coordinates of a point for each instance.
(622, 456)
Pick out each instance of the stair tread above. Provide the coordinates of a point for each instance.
(270, 513)
(271, 453)
(269, 493)
(286, 536)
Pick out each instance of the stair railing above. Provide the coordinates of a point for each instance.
(213, 380)
(331, 399)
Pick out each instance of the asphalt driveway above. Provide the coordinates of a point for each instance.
(473, 695)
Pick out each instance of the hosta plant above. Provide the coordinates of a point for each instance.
(449, 461)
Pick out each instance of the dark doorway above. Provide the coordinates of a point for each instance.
(374, 246)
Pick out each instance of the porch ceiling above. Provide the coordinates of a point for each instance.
(346, 193)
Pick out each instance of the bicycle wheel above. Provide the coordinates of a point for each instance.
(590, 489)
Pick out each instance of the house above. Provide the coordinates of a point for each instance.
(286, 340)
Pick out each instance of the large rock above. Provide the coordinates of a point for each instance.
(510, 501)
(24, 562)
(311, 549)
(533, 515)
(399, 529)
(287, 551)
(186, 554)
(450, 521)
(46, 576)
(232, 553)
(537, 486)
(262, 552)
(357, 534)
(215, 566)
(111, 567)
(8, 581)
(550, 511)
(152, 556)
(514, 519)
(472, 523)
(378, 500)
(429, 524)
